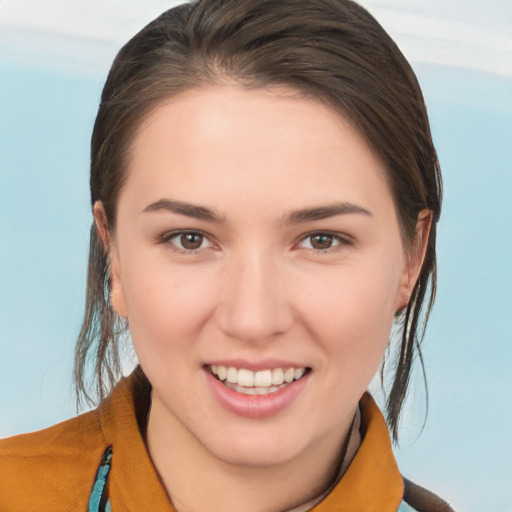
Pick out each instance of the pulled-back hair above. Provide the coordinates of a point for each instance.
(331, 50)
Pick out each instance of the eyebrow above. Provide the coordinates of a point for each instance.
(187, 209)
(324, 212)
(296, 217)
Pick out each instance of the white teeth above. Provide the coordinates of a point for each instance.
(255, 390)
(222, 370)
(232, 375)
(263, 378)
(277, 376)
(262, 382)
(267, 390)
(245, 378)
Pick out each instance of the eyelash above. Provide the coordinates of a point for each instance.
(342, 241)
(166, 239)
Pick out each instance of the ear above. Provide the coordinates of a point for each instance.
(415, 257)
(109, 246)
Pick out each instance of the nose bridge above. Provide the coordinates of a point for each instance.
(254, 305)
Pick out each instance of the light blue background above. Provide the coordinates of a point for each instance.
(465, 450)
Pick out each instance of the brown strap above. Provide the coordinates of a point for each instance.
(423, 500)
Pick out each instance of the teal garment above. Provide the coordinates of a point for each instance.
(404, 507)
(99, 488)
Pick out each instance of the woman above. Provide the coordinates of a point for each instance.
(265, 196)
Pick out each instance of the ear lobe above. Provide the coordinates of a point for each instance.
(116, 286)
(415, 257)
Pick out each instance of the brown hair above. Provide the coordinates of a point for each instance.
(332, 50)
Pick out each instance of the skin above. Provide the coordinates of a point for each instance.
(258, 288)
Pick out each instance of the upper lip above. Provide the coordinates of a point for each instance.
(255, 366)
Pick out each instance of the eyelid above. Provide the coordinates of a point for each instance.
(169, 235)
(343, 240)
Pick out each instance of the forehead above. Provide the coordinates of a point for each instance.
(212, 141)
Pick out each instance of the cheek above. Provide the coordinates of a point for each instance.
(352, 300)
(166, 306)
(351, 315)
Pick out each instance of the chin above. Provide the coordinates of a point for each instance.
(261, 452)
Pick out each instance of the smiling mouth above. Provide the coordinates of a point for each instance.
(263, 382)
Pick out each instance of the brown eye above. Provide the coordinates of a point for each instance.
(324, 242)
(191, 241)
(321, 241)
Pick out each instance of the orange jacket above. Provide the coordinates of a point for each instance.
(54, 469)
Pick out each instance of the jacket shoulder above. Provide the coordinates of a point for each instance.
(52, 469)
(423, 500)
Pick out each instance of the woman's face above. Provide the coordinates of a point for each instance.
(256, 241)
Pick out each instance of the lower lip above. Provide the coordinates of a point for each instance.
(255, 406)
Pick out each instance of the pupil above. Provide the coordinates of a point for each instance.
(321, 241)
(191, 241)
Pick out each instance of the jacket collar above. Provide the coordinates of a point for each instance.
(134, 484)
(372, 482)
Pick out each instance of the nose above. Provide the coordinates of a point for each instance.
(254, 306)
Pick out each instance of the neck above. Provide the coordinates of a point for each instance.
(197, 480)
